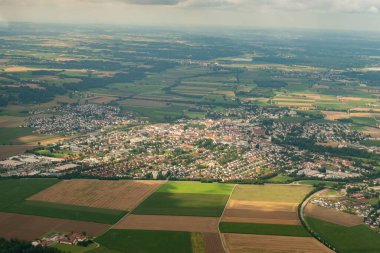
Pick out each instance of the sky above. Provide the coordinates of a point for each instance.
(319, 14)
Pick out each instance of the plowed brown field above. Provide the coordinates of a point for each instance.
(171, 223)
(238, 243)
(213, 244)
(121, 195)
(27, 227)
(333, 216)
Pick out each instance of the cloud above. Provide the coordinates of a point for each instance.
(373, 9)
(154, 2)
(339, 6)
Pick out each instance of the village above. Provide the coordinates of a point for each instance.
(360, 199)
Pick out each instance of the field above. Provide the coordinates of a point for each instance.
(9, 135)
(270, 193)
(126, 195)
(238, 243)
(170, 223)
(186, 199)
(314, 182)
(267, 204)
(11, 150)
(16, 191)
(140, 241)
(29, 227)
(74, 248)
(333, 216)
(263, 218)
(263, 229)
(213, 243)
(346, 239)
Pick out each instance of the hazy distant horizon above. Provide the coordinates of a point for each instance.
(257, 14)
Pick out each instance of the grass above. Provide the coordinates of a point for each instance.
(271, 192)
(365, 121)
(314, 182)
(73, 248)
(197, 243)
(196, 187)
(187, 199)
(280, 179)
(143, 241)
(16, 191)
(9, 135)
(346, 239)
(371, 143)
(45, 152)
(103, 250)
(71, 212)
(263, 229)
(183, 204)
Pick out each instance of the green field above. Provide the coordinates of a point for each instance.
(371, 143)
(187, 199)
(196, 187)
(16, 191)
(314, 182)
(9, 135)
(271, 192)
(53, 210)
(280, 179)
(74, 248)
(346, 239)
(263, 229)
(141, 241)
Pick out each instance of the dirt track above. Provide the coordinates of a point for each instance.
(126, 194)
(171, 223)
(238, 243)
(27, 227)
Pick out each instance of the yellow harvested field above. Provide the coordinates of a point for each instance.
(126, 194)
(238, 243)
(365, 109)
(271, 193)
(349, 98)
(309, 95)
(333, 216)
(267, 204)
(294, 104)
(334, 115)
(171, 223)
(374, 132)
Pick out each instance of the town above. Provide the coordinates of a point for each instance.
(239, 144)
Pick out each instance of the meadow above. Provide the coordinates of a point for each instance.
(346, 239)
(16, 191)
(142, 241)
(270, 193)
(263, 229)
(9, 135)
(187, 199)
